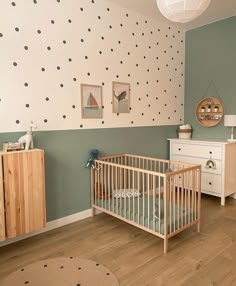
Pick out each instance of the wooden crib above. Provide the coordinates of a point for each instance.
(161, 197)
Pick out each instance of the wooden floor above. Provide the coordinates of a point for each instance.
(136, 257)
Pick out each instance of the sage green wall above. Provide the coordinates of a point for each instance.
(66, 154)
(211, 57)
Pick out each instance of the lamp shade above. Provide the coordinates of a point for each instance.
(182, 11)
(230, 120)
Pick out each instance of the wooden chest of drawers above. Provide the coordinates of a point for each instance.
(218, 161)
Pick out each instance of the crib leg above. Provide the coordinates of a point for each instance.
(165, 245)
(198, 226)
(92, 212)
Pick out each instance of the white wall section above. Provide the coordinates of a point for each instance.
(48, 48)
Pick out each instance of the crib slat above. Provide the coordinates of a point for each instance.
(138, 189)
(153, 203)
(143, 197)
(133, 188)
(159, 203)
(148, 210)
(120, 189)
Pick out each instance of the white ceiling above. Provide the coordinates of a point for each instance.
(217, 10)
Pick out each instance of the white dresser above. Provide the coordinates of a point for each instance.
(218, 161)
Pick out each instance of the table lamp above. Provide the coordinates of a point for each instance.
(230, 121)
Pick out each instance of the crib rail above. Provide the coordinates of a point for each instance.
(159, 196)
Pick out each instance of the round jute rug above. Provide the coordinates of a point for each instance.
(62, 271)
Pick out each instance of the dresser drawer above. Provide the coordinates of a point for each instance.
(200, 161)
(211, 183)
(194, 150)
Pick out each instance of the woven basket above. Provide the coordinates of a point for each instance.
(184, 133)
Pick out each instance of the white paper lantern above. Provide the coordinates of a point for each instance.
(182, 11)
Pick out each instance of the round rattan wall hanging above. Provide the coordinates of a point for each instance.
(209, 111)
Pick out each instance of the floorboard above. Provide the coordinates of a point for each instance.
(136, 257)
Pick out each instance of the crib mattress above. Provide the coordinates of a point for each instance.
(128, 209)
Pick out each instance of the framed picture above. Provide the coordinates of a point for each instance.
(91, 101)
(120, 97)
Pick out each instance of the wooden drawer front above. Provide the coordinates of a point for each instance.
(211, 183)
(200, 161)
(193, 150)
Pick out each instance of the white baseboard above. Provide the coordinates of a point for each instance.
(51, 225)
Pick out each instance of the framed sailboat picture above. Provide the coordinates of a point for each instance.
(91, 101)
(120, 97)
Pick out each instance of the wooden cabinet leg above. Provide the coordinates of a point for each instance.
(222, 201)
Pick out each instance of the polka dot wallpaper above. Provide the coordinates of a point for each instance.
(49, 48)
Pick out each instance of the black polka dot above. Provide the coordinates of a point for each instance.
(81, 126)
(69, 20)
(35, 1)
(73, 106)
(70, 60)
(58, 68)
(26, 282)
(74, 79)
(14, 64)
(52, 21)
(81, 9)
(45, 265)
(17, 121)
(13, 4)
(61, 85)
(45, 120)
(79, 268)
(64, 42)
(63, 266)
(26, 84)
(17, 29)
(27, 105)
(47, 98)
(1, 35)
(88, 73)
(42, 69)
(26, 47)
(22, 269)
(39, 31)
(49, 48)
